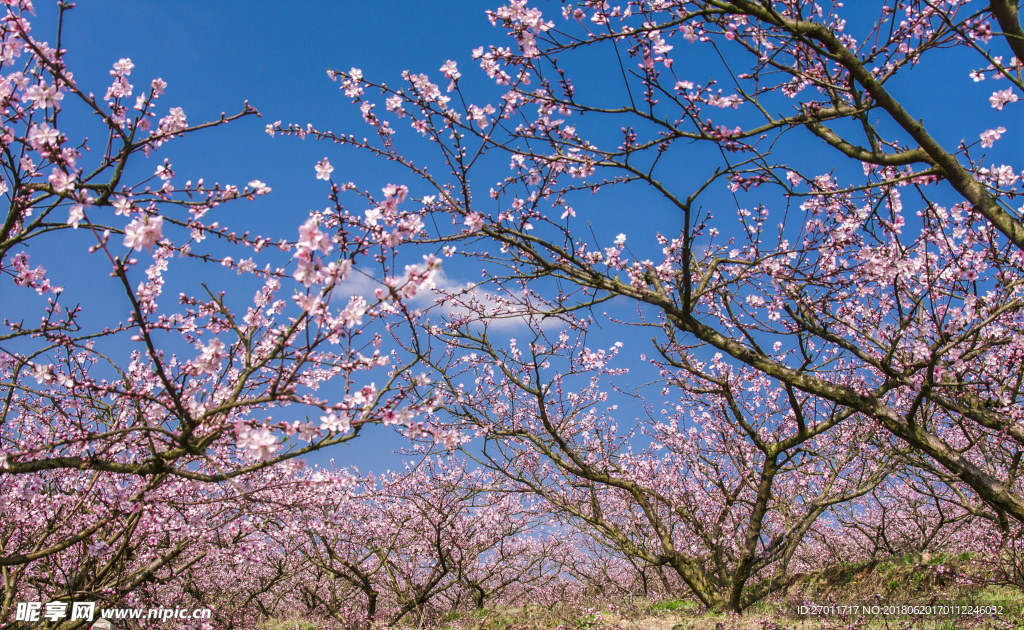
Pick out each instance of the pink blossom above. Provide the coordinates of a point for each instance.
(76, 215)
(323, 169)
(123, 67)
(258, 187)
(308, 432)
(42, 135)
(174, 121)
(258, 442)
(989, 137)
(397, 192)
(62, 182)
(983, 32)
(164, 171)
(394, 104)
(122, 206)
(43, 96)
(733, 100)
(366, 108)
(364, 395)
(426, 89)
(450, 70)
(143, 232)
(351, 84)
(306, 272)
(209, 358)
(418, 277)
(475, 221)
(336, 422)
(43, 374)
(480, 115)
(1001, 98)
(119, 88)
(1004, 175)
(336, 272)
(28, 277)
(311, 238)
(373, 215)
(353, 314)
(308, 303)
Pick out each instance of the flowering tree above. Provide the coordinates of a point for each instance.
(737, 469)
(175, 547)
(173, 385)
(121, 403)
(420, 543)
(887, 283)
(883, 289)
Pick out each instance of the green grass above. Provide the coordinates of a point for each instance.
(672, 605)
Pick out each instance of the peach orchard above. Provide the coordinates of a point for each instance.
(819, 290)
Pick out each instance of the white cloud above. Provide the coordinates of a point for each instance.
(450, 299)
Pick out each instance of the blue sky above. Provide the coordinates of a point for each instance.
(215, 55)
